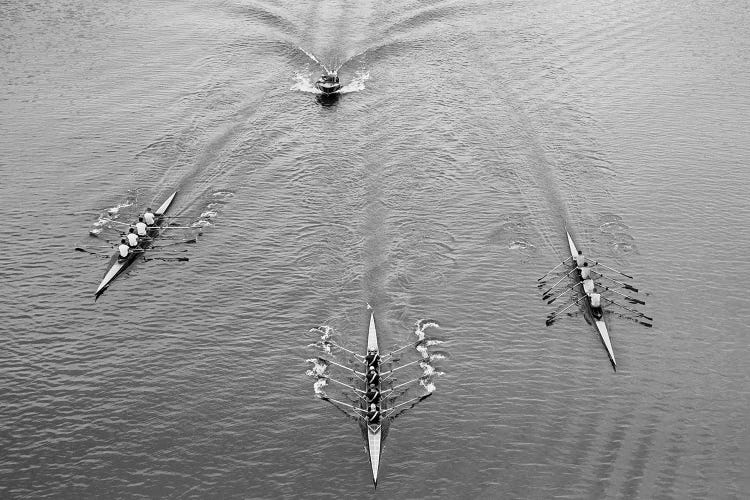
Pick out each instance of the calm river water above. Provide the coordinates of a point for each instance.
(470, 134)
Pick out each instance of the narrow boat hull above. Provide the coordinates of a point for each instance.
(600, 324)
(373, 432)
(117, 265)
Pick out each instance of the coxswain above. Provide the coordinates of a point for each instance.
(132, 238)
(585, 271)
(373, 377)
(373, 415)
(149, 218)
(580, 259)
(124, 249)
(596, 304)
(588, 286)
(141, 228)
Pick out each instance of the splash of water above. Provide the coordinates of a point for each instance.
(304, 84)
(429, 386)
(318, 387)
(357, 83)
(326, 332)
(428, 370)
(319, 367)
(112, 214)
(421, 325)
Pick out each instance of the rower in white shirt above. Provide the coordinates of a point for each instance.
(588, 286)
(141, 228)
(148, 217)
(585, 271)
(132, 238)
(580, 259)
(123, 248)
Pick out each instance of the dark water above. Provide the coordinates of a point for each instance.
(439, 185)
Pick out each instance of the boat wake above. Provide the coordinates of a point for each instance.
(305, 82)
(111, 215)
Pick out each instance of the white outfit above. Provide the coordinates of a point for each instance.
(132, 239)
(585, 272)
(148, 218)
(588, 286)
(595, 300)
(580, 259)
(141, 228)
(123, 249)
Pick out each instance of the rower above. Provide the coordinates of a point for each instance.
(372, 395)
(580, 259)
(149, 218)
(585, 271)
(132, 238)
(124, 249)
(596, 304)
(373, 415)
(588, 286)
(373, 377)
(372, 358)
(141, 228)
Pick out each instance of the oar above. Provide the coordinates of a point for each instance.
(561, 294)
(551, 270)
(340, 383)
(79, 249)
(553, 316)
(413, 400)
(343, 348)
(192, 240)
(560, 281)
(359, 374)
(628, 309)
(341, 403)
(615, 270)
(400, 367)
(627, 297)
(406, 383)
(390, 354)
(168, 259)
(629, 318)
(624, 285)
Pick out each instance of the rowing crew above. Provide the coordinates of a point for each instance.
(372, 379)
(589, 288)
(133, 238)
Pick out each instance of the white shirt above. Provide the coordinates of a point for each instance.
(588, 286)
(132, 239)
(580, 259)
(595, 300)
(585, 272)
(148, 218)
(124, 249)
(141, 228)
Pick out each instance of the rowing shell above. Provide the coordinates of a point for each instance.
(601, 326)
(117, 265)
(373, 431)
